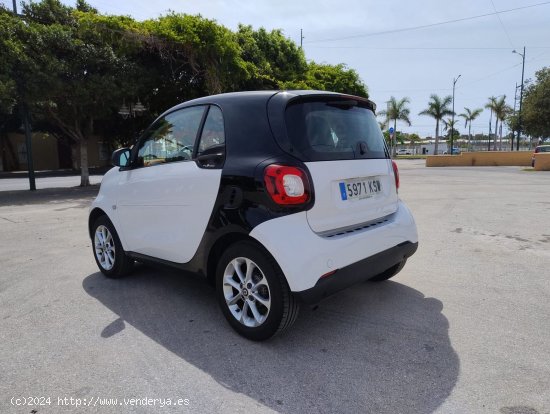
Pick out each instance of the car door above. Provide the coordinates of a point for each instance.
(166, 196)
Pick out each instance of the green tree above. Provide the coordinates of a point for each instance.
(398, 137)
(324, 77)
(77, 73)
(491, 105)
(449, 125)
(141, 75)
(74, 67)
(270, 58)
(469, 116)
(414, 137)
(500, 109)
(16, 81)
(83, 6)
(198, 56)
(512, 121)
(10, 50)
(397, 110)
(437, 109)
(535, 115)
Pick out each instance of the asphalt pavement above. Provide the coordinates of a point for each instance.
(464, 328)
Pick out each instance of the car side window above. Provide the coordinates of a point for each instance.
(213, 134)
(171, 138)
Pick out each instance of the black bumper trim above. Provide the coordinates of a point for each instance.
(357, 272)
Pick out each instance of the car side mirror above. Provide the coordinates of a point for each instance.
(121, 157)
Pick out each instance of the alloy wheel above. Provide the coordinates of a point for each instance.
(246, 291)
(104, 245)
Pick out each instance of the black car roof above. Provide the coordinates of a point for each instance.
(262, 96)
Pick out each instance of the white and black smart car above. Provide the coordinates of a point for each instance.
(278, 198)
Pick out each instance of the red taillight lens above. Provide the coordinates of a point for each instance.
(286, 185)
(396, 174)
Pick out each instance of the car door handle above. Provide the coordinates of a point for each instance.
(210, 160)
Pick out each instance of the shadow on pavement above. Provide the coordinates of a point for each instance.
(49, 195)
(380, 348)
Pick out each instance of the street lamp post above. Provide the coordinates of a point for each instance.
(453, 114)
(520, 94)
(131, 111)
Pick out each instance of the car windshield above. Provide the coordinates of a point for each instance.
(333, 129)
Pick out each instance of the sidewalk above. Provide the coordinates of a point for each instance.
(19, 182)
(52, 173)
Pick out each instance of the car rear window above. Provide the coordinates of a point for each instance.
(333, 129)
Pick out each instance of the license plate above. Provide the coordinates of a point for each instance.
(359, 188)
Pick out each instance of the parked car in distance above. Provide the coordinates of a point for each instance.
(539, 148)
(454, 151)
(403, 151)
(277, 198)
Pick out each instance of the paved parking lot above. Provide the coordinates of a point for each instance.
(464, 328)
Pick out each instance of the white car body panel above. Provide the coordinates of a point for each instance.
(305, 256)
(162, 210)
(330, 212)
(106, 198)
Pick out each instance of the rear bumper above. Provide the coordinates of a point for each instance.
(357, 272)
(305, 256)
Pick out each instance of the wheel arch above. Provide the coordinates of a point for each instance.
(221, 245)
(94, 215)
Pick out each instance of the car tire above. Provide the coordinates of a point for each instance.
(253, 293)
(108, 252)
(388, 274)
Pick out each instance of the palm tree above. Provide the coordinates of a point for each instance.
(450, 126)
(490, 105)
(500, 109)
(397, 111)
(437, 109)
(470, 116)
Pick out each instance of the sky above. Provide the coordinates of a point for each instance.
(372, 37)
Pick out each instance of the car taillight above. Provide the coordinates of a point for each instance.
(396, 174)
(286, 185)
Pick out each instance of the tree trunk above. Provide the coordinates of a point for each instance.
(470, 136)
(84, 173)
(500, 137)
(436, 136)
(496, 133)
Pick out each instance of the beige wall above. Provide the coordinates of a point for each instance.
(45, 153)
(542, 161)
(488, 158)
